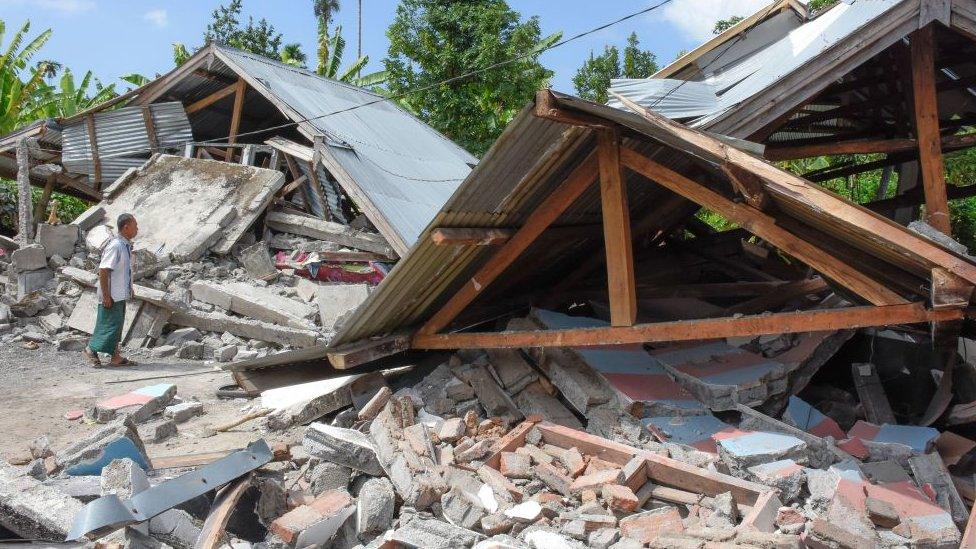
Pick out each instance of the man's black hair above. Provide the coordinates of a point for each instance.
(124, 220)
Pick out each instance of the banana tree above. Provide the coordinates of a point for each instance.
(18, 96)
(330, 60)
(71, 98)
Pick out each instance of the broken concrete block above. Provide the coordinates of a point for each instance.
(180, 336)
(29, 282)
(315, 523)
(184, 411)
(603, 538)
(491, 396)
(343, 446)
(57, 239)
(245, 327)
(918, 439)
(157, 431)
(32, 510)
(328, 476)
(257, 261)
(526, 512)
(89, 218)
(785, 475)
(461, 508)
(433, 533)
(191, 350)
(515, 465)
(741, 450)
(545, 539)
(409, 471)
(375, 506)
(596, 481)
(882, 513)
(139, 405)
(28, 258)
(619, 498)
(512, 369)
(647, 526)
(554, 479)
(226, 353)
(336, 300)
(255, 302)
(114, 441)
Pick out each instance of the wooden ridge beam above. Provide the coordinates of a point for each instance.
(790, 151)
(616, 231)
(544, 215)
(694, 330)
(763, 226)
(212, 98)
(927, 128)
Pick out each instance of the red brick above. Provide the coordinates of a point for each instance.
(595, 465)
(645, 527)
(573, 461)
(597, 480)
(619, 498)
(294, 522)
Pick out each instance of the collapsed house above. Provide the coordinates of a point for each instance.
(565, 353)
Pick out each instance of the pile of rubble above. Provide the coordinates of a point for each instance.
(206, 284)
(487, 450)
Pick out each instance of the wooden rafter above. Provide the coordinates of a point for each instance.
(240, 89)
(927, 128)
(616, 231)
(545, 214)
(694, 330)
(470, 236)
(212, 98)
(763, 226)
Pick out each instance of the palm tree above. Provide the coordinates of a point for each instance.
(17, 97)
(292, 54)
(323, 10)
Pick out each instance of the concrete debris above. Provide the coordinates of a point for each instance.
(343, 446)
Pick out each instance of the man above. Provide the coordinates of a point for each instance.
(114, 288)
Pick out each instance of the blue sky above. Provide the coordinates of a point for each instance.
(115, 37)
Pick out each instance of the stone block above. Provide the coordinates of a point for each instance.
(184, 411)
(89, 218)
(57, 239)
(191, 350)
(29, 282)
(375, 506)
(226, 353)
(328, 476)
(158, 430)
(515, 465)
(343, 446)
(28, 258)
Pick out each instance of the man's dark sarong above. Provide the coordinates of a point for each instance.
(108, 328)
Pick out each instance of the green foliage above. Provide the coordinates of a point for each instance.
(70, 98)
(225, 28)
(293, 55)
(818, 5)
(180, 53)
(69, 207)
(723, 25)
(20, 84)
(592, 80)
(435, 40)
(330, 65)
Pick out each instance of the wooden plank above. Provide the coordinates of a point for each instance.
(212, 533)
(291, 148)
(470, 236)
(877, 409)
(748, 185)
(368, 350)
(189, 460)
(41, 207)
(777, 297)
(321, 229)
(762, 516)
(764, 226)
(147, 120)
(291, 187)
(949, 290)
(544, 215)
(859, 146)
(235, 119)
(927, 128)
(616, 232)
(212, 98)
(509, 442)
(693, 330)
(93, 144)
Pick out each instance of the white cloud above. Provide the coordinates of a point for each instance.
(157, 17)
(696, 18)
(64, 7)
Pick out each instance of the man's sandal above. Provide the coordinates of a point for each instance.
(92, 357)
(123, 363)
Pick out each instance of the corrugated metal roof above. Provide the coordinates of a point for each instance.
(525, 165)
(402, 166)
(123, 140)
(731, 84)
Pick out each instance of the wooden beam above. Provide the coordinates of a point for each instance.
(41, 207)
(856, 146)
(616, 232)
(470, 236)
(948, 290)
(544, 215)
(150, 129)
(779, 296)
(693, 330)
(93, 145)
(235, 119)
(547, 107)
(927, 128)
(212, 98)
(361, 352)
(748, 185)
(290, 188)
(763, 226)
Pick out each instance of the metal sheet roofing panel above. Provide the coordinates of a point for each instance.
(402, 166)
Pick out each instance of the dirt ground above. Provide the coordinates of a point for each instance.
(37, 388)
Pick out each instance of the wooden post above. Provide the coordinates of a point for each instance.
(147, 119)
(25, 228)
(93, 144)
(616, 232)
(927, 129)
(235, 118)
(41, 207)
